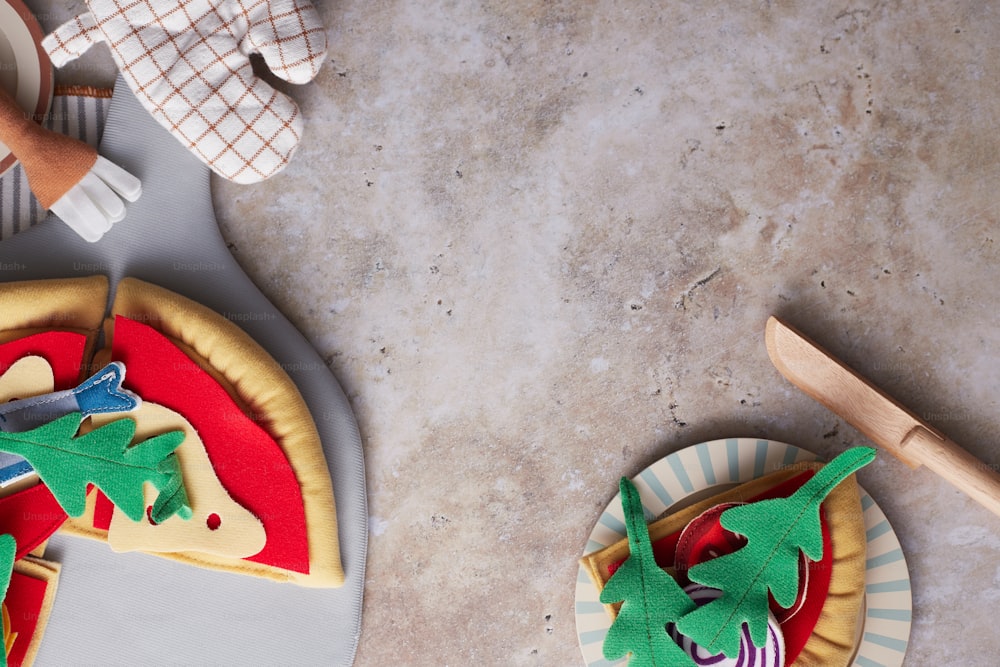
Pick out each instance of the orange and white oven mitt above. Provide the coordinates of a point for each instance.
(188, 64)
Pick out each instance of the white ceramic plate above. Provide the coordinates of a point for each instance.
(25, 69)
(690, 475)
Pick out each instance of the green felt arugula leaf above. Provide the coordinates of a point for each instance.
(8, 552)
(105, 457)
(650, 598)
(776, 531)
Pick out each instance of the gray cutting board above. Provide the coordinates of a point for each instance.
(136, 609)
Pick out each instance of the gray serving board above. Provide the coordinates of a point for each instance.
(137, 609)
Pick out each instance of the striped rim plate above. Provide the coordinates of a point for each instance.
(695, 469)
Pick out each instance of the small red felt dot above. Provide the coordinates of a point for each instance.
(213, 521)
(149, 515)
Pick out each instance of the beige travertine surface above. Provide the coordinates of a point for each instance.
(538, 241)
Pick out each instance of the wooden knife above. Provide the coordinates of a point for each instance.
(877, 415)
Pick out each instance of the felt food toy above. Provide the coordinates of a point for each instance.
(66, 175)
(187, 61)
(264, 506)
(256, 496)
(49, 332)
(26, 607)
(768, 573)
(27, 587)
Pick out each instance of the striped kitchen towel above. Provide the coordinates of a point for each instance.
(77, 112)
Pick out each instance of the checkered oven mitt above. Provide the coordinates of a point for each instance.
(188, 63)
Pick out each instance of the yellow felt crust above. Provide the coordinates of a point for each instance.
(62, 304)
(833, 640)
(257, 381)
(48, 572)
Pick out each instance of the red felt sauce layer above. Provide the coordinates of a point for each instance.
(248, 462)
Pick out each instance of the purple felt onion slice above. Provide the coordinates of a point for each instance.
(770, 655)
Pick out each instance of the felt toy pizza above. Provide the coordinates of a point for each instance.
(768, 573)
(235, 477)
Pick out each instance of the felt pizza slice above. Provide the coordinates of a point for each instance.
(819, 626)
(26, 608)
(49, 329)
(251, 459)
(257, 494)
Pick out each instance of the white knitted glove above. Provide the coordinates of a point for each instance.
(187, 62)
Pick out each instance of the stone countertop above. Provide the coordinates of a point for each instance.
(537, 243)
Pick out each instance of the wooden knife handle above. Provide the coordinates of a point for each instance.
(965, 472)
